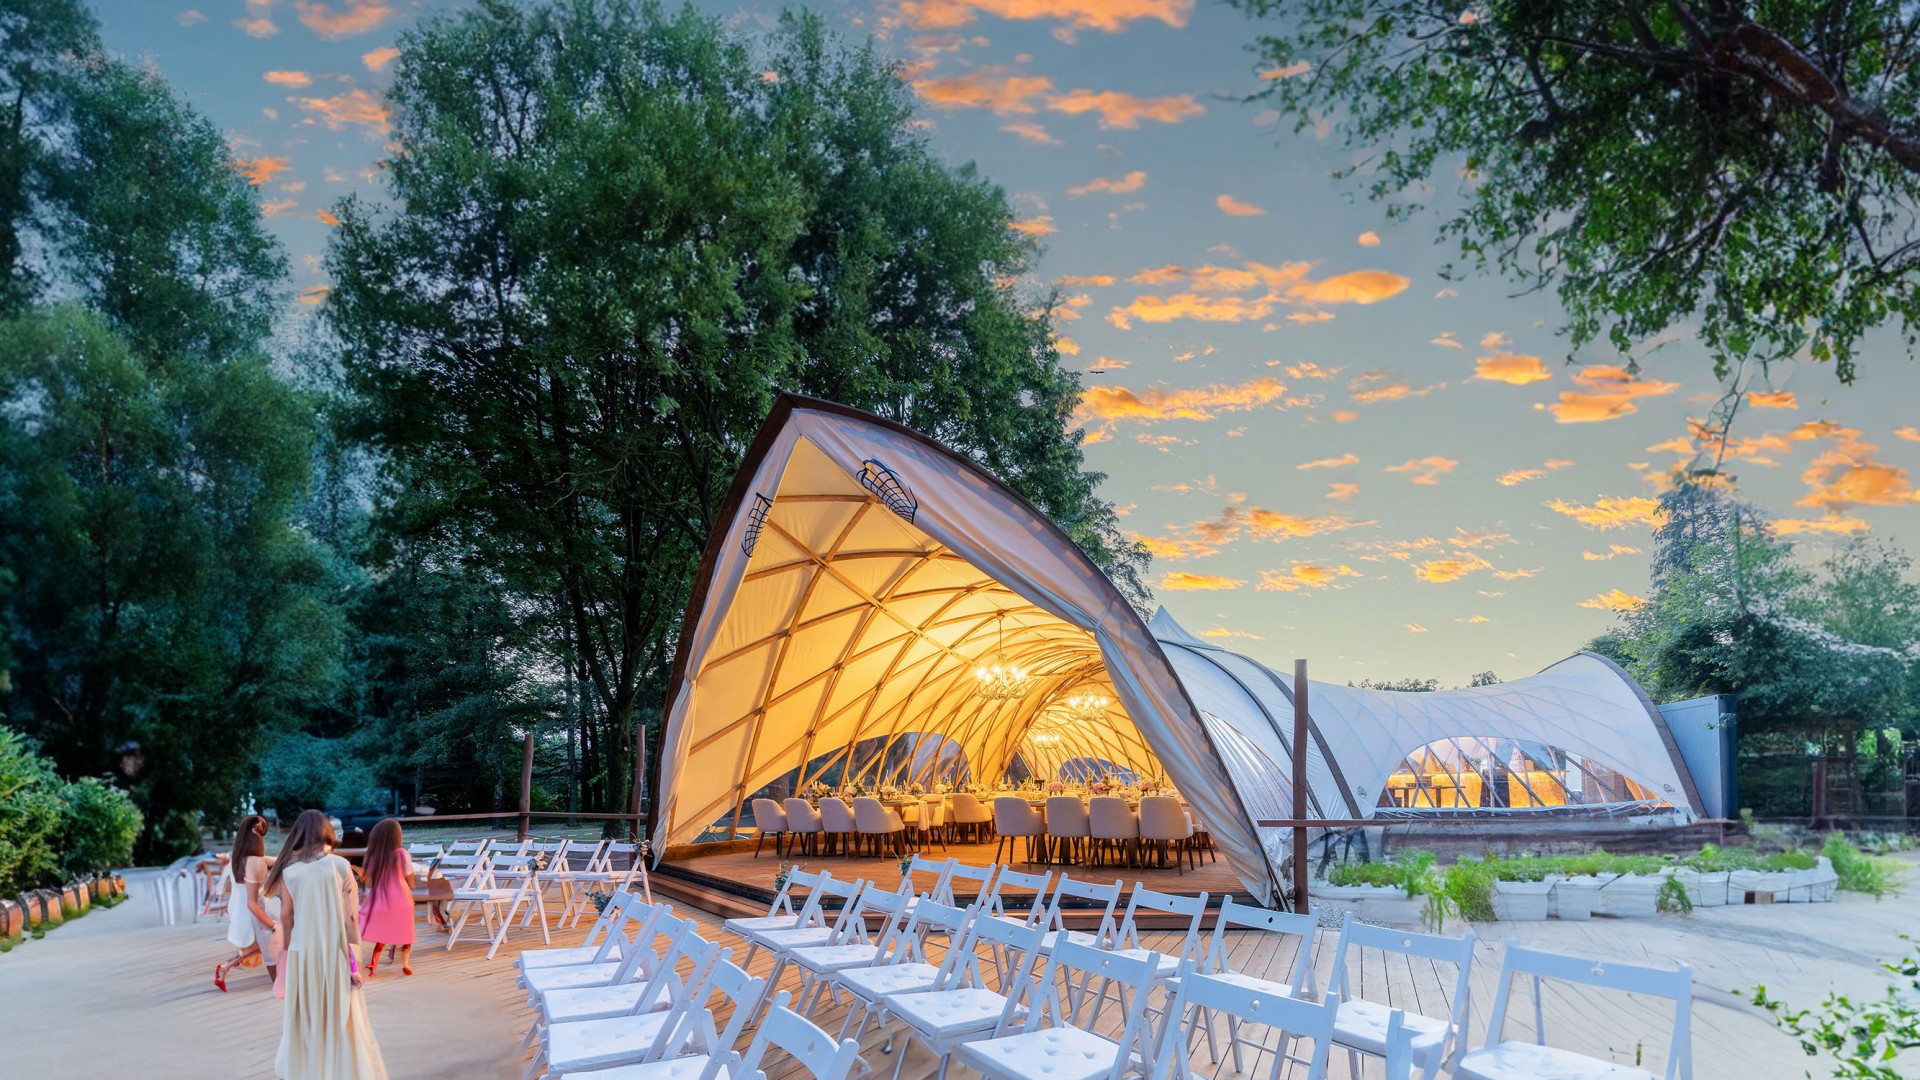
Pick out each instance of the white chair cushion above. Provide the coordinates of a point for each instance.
(1165, 966)
(541, 980)
(1078, 937)
(760, 924)
(1061, 1053)
(595, 1002)
(1363, 1025)
(834, 957)
(681, 1068)
(873, 983)
(1249, 982)
(798, 938)
(583, 954)
(949, 1012)
(588, 1043)
(1530, 1061)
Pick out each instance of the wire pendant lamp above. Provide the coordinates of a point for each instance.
(1088, 707)
(1001, 680)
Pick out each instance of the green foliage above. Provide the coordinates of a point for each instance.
(301, 771)
(1858, 871)
(1404, 686)
(31, 810)
(1407, 871)
(1659, 164)
(101, 826)
(591, 282)
(1468, 885)
(1673, 898)
(1865, 1038)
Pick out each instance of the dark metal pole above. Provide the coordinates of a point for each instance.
(1300, 736)
(526, 786)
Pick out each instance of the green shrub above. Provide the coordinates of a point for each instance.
(1406, 872)
(31, 812)
(1858, 871)
(1864, 1036)
(1790, 860)
(1468, 886)
(102, 824)
(1673, 898)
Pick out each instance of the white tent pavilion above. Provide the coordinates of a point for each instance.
(862, 575)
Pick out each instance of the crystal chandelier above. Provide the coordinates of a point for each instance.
(1000, 680)
(1088, 707)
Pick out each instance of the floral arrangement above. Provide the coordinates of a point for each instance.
(1149, 785)
(1099, 787)
(1056, 787)
(889, 792)
(786, 873)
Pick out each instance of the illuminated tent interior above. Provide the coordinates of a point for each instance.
(863, 578)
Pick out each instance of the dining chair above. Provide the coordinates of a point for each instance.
(1113, 826)
(1012, 818)
(970, 819)
(879, 826)
(804, 824)
(769, 820)
(1067, 827)
(1163, 821)
(837, 826)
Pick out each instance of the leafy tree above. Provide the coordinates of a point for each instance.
(162, 597)
(30, 815)
(102, 825)
(41, 43)
(1747, 169)
(616, 234)
(1403, 686)
(1484, 678)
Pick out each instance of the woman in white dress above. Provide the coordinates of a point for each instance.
(325, 1034)
(252, 920)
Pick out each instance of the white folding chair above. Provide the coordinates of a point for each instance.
(941, 869)
(1246, 918)
(993, 902)
(1288, 1016)
(651, 939)
(855, 947)
(1501, 1059)
(902, 966)
(961, 1006)
(1059, 1040)
(566, 871)
(780, 914)
(1056, 924)
(782, 943)
(688, 1047)
(962, 875)
(806, 1044)
(517, 885)
(1361, 1025)
(647, 994)
(606, 940)
(629, 1037)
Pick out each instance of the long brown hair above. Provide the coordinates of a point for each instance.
(306, 841)
(248, 841)
(383, 856)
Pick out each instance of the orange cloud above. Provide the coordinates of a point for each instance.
(1037, 226)
(1909, 433)
(1233, 207)
(1159, 275)
(1133, 181)
(314, 295)
(1413, 628)
(326, 216)
(1342, 491)
(1519, 476)
(1274, 74)
(1032, 133)
(1514, 575)
(1223, 632)
(1304, 576)
(1344, 417)
(1778, 399)
(1175, 549)
(1110, 16)
(1510, 368)
(1830, 525)
(356, 106)
(1182, 581)
(1613, 551)
(354, 18)
(292, 79)
(1067, 346)
(1427, 470)
(278, 208)
(1108, 363)
(1611, 513)
(1195, 403)
(1610, 395)
(1451, 568)
(1683, 447)
(1087, 279)
(1307, 369)
(1118, 110)
(1383, 386)
(1840, 480)
(1264, 524)
(1330, 463)
(1368, 239)
(1358, 287)
(1193, 306)
(379, 57)
(994, 88)
(1615, 600)
(259, 171)
(1249, 276)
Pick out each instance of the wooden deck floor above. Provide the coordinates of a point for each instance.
(116, 994)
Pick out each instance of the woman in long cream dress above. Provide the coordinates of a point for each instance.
(325, 1034)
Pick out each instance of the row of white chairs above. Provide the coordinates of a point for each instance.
(501, 880)
(841, 956)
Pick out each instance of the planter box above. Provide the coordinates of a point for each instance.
(1704, 889)
(50, 903)
(79, 896)
(1521, 901)
(1374, 903)
(13, 918)
(99, 888)
(1630, 896)
(1574, 898)
(1753, 883)
(1812, 886)
(119, 885)
(30, 909)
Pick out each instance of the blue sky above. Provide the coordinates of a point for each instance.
(1336, 453)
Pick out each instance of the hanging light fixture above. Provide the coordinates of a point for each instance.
(1000, 680)
(1088, 707)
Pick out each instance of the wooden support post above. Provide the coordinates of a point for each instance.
(1818, 817)
(639, 778)
(526, 786)
(1300, 735)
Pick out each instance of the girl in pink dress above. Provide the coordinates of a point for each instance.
(386, 918)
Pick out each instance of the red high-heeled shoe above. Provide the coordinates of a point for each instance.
(220, 977)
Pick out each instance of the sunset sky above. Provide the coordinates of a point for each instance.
(1334, 452)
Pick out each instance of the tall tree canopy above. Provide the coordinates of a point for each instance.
(616, 234)
(1749, 169)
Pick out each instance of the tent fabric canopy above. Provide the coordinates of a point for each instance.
(860, 575)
